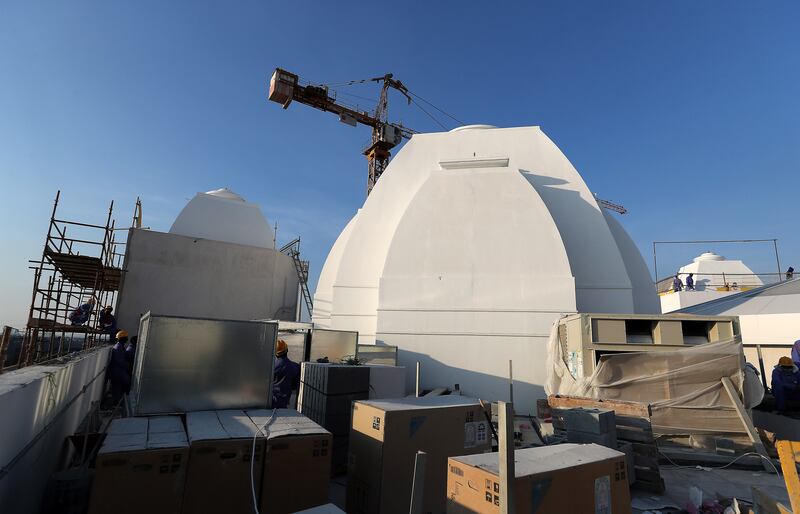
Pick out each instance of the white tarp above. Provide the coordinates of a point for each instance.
(683, 387)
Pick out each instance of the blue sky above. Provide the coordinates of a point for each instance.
(686, 112)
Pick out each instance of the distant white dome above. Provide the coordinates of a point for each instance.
(472, 127)
(222, 215)
(708, 256)
(225, 193)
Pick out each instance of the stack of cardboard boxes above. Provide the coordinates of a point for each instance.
(149, 464)
(327, 392)
(220, 453)
(141, 467)
(384, 441)
(297, 461)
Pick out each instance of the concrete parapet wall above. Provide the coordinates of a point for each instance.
(39, 407)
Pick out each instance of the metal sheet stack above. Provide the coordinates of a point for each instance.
(327, 392)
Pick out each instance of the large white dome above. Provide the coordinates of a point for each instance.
(222, 215)
(472, 243)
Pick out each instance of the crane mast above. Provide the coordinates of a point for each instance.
(285, 87)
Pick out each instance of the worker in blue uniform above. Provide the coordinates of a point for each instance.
(286, 377)
(119, 370)
(785, 383)
(81, 314)
(677, 285)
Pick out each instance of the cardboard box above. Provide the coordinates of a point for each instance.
(141, 467)
(549, 480)
(220, 449)
(297, 461)
(384, 441)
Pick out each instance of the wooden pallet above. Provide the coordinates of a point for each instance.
(634, 428)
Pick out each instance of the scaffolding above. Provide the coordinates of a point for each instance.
(79, 270)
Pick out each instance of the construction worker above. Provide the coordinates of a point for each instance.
(130, 352)
(785, 383)
(108, 323)
(119, 372)
(677, 285)
(81, 314)
(790, 273)
(690, 282)
(286, 377)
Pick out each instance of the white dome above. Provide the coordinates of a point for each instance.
(222, 215)
(225, 193)
(708, 256)
(476, 239)
(472, 127)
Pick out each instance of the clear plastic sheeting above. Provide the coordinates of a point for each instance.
(683, 386)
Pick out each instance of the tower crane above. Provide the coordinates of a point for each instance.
(285, 87)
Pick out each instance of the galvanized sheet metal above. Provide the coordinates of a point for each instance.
(191, 364)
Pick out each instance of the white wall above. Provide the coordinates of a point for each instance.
(183, 276)
(776, 333)
(32, 399)
(674, 300)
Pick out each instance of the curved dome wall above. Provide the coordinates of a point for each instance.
(468, 248)
(222, 215)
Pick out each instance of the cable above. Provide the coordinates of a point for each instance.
(438, 109)
(265, 430)
(430, 115)
(722, 467)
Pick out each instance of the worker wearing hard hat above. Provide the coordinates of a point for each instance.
(119, 369)
(286, 377)
(785, 383)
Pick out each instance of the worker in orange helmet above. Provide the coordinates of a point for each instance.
(785, 383)
(285, 378)
(119, 372)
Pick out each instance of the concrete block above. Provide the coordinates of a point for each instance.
(597, 421)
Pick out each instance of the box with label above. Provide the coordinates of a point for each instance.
(141, 467)
(548, 480)
(384, 441)
(220, 453)
(297, 461)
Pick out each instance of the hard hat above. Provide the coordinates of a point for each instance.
(122, 333)
(281, 348)
(786, 362)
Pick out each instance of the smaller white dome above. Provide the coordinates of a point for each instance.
(225, 193)
(473, 127)
(222, 215)
(708, 256)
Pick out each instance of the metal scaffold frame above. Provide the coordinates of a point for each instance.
(80, 264)
(292, 249)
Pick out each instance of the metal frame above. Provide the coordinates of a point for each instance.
(79, 261)
(715, 241)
